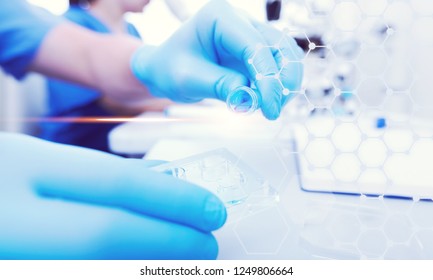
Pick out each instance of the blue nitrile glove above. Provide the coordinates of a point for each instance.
(64, 202)
(208, 57)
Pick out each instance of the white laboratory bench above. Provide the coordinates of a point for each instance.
(300, 224)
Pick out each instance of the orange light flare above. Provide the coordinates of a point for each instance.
(114, 120)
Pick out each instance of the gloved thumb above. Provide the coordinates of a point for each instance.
(209, 80)
(228, 82)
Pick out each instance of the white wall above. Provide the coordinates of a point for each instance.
(57, 7)
(21, 101)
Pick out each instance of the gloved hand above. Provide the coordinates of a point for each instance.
(61, 202)
(217, 51)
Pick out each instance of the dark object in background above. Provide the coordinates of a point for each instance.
(80, 2)
(273, 9)
(273, 12)
(304, 43)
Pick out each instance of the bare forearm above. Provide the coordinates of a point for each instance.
(100, 61)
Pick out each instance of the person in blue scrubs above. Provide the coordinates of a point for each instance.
(64, 202)
(68, 100)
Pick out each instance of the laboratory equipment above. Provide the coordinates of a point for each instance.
(221, 172)
(243, 100)
(380, 167)
(273, 9)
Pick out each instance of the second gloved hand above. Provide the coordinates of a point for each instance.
(217, 51)
(63, 202)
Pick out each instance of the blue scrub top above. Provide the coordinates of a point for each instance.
(74, 101)
(22, 29)
(65, 96)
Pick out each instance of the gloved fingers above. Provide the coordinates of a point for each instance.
(235, 36)
(287, 53)
(271, 96)
(134, 237)
(290, 50)
(40, 228)
(264, 64)
(228, 81)
(203, 77)
(291, 76)
(247, 45)
(149, 163)
(280, 40)
(291, 73)
(172, 199)
(288, 56)
(99, 178)
(210, 80)
(152, 163)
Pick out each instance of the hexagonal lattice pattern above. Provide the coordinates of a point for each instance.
(271, 233)
(362, 123)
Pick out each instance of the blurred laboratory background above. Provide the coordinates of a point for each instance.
(359, 53)
(27, 99)
(361, 124)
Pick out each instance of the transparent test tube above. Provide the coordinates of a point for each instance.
(243, 100)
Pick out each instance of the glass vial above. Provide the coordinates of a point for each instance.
(243, 100)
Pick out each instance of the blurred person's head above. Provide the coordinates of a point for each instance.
(134, 6)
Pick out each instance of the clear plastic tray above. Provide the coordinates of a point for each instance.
(222, 173)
